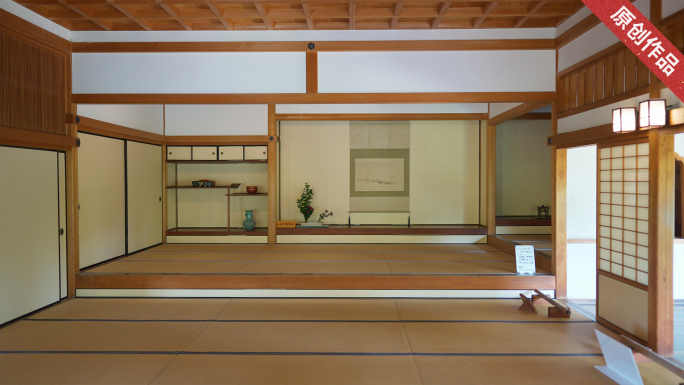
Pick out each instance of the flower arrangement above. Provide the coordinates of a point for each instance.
(304, 202)
(325, 215)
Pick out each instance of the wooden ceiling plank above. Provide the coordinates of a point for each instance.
(307, 13)
(352, 15)
(104, 24)
(214, 9)
(264, 15)
(126, 10)
(531, 10)
(174, 13)
(486, 10)
(397, 12)
(442, 11)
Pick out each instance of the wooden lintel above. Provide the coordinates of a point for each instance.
(516, 112)
(10, 136)
(534, 116)
(99, 127)
(217, 140)
(592, 135)
(321, 46)
(379, 117)
(320, 98)
(605, 102)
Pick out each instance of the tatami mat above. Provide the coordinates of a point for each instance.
(295, 370)
(81, 369)
(192, 256)
(309, 309)
(302, 341)
(135, 309)
(503, 337)
(469, 310)
(313, 259)
(317, 337)
(379, 267)
(97, 336)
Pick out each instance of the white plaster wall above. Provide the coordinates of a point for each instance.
(679, 144)
(593, 41)
(596, 117)
(678, 270)
(573, 20)
(444, 108)
(453, 71)
(34, 18)
(189, 73)
(581, 270)
(220, 119)
(581, 193)
(499, 108)
(671, 7)
(145, 117)
(523, 167)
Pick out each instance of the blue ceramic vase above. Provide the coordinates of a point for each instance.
(249, 222)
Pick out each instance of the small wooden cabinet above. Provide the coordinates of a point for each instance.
(178, 153)
(204, 153)
(231, 153)
(256, 152)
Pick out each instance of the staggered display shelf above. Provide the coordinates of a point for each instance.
(190, 152)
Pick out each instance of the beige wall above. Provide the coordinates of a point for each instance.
(207, 208)
(144, 164)
(317, 153)
(523, 167)
(444, 160)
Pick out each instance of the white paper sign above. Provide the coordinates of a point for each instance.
(620, 364)
(524, 259)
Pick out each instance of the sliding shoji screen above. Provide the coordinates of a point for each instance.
(623, 212)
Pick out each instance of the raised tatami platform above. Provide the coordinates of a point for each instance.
(315, 266)
(302, 341)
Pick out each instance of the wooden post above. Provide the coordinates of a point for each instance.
(660, 242)
(72, 209)
(656, 17)
(272, 193)
(559, 231)
(165, 181)
(491, 180)
(312, 72)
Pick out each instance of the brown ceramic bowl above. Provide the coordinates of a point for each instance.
(251, 189)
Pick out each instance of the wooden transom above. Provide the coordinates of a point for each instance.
(168, 15)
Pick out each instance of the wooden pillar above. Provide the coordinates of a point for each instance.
(559, 233)
(312, 72)
(660, 241)
(656, 17)
(165, 181)
(491, 180)
(72, 209)
(272, 185)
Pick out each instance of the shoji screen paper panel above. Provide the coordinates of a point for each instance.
(144, 164)
(623, 211)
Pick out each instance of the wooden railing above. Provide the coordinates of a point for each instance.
(609, 74)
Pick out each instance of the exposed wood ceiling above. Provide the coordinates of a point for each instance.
(169, 15)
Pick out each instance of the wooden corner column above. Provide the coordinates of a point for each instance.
(559, 226)
(272, 193)
(661, 238)
(491, 180)
(72, 208)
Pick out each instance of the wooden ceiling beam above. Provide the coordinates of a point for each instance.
(174, 13)
(104, 24)
(264, 15)
(126, 10)
(486, 10)
(442, 11)
(352, 15)
(397, 13)
(307, 13)
(214, 9)
(531, 10)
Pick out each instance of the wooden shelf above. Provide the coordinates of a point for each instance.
(249, 195)
(215, 231)
(387, 230)
(216, 161)
(234, 185)
(522, 221)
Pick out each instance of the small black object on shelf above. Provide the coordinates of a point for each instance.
(543, 212)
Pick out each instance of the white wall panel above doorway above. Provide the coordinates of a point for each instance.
(189, 73)
(219, 119)
(454, 71)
